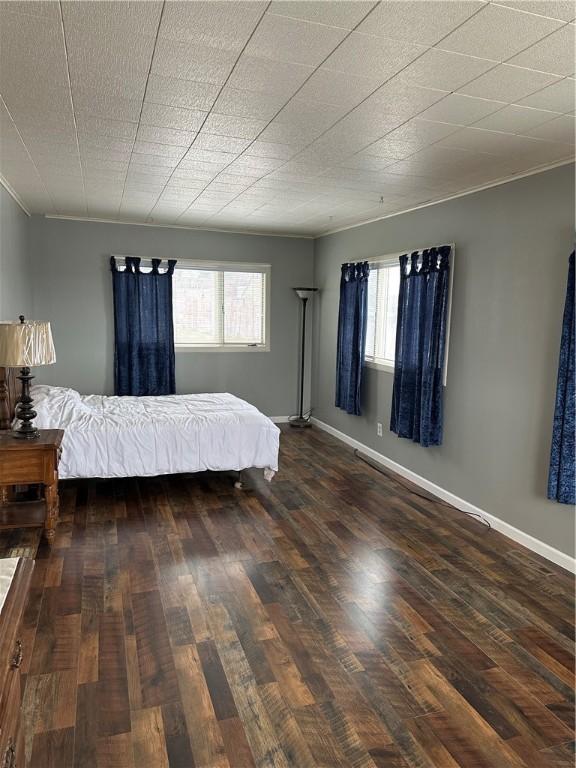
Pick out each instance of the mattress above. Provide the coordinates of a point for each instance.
(146, 436)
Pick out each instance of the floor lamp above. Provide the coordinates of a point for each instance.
(300, 420)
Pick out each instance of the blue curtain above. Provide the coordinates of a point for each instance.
(352, 318)
(143, 329)
(420, 346)
(562, 477)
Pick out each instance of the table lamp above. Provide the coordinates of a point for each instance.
(23, 345)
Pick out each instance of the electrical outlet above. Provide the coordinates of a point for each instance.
(379, 429)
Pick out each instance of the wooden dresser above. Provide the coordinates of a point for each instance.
(15, 574)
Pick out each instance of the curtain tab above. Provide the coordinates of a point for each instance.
(414, 263)
(132, 264)
(444, 257)
(403, 265)
(113, 266)
(171, 264)
(428, 261)
(155, 265)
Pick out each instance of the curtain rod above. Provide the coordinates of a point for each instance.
(394, 256)
(196, 262)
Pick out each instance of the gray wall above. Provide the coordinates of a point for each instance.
(512, 246)
(15, 277)
(73, 290)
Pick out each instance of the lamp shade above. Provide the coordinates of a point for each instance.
(305, 293)
(23, 345)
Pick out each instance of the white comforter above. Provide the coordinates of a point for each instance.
(140, 436)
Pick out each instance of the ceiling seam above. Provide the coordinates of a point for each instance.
(271, 121)
(496, 64)
(428, 48)
(72, 103)
(141, 106)
(28, 153)
(209, 112)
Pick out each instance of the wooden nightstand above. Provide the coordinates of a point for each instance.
(29, 462)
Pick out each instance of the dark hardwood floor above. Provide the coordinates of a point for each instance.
(329, 619)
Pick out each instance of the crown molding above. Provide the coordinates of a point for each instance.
(474, 190)
(13, 194)
(179, 226)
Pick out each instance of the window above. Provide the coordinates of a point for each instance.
(221, 306)
(383, 288)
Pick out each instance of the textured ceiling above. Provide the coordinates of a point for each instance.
(291, 117)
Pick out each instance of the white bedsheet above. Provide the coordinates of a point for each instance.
(142, 436)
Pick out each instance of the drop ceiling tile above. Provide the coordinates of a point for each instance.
(236, 127)
(443, 162)
(244, 163)
(170, 136)
(43, 8)
(287, 133)
(100, 164)
(178, 118)
(40, 135)
(97, 126)
(258, 74)
(306, 115)
(256, 104)
(553, 9)
(444, 70)
(217, 143)
(113, 38)
(418, 21)
(291, 40)
(233, 178)
(270, 149)
(507, 83)
(461, 110)
(496, 32)
(198, 170)
(514, 119)
(215, 23)
(558, 97)
(182, 179)
(336, 88)
(366, 162)
(152, 161)
(209, 156)
(420, 133)
(553, 54)
(343, 13)
(96, 175)
(372, 57)
(561, 129)
(104, 144)
(108, 107)
(181, 93)
(199, 63)
(491, 142)
(159, 150)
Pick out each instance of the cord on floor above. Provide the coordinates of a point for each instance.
(396, 479)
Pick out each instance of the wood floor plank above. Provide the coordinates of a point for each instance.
(331, 619)
(148, 739)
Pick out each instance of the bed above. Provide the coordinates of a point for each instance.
(149, 436)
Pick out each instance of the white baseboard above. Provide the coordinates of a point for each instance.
(279, 419)
(530, 542)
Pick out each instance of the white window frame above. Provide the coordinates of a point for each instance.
(393, 258)
(222, 266)
(385, 262)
